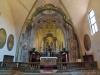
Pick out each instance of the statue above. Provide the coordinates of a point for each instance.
(49, 51)
(25, 54)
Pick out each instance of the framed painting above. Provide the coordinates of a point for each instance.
(87, 42)
(10, 42)
(3, 36)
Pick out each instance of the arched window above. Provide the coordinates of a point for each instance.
(92, 22)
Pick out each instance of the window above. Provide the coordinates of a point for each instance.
(92, 22)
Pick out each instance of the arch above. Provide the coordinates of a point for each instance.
(43, 15)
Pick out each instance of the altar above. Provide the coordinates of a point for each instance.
(48, 64)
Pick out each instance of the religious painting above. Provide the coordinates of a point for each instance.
(10, 42)
(3, 36)
(87, 42)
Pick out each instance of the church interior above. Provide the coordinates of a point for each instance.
(49, 37)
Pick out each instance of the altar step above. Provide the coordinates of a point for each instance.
(83, 68)
(82, 72)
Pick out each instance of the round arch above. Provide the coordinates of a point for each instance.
(45, 15)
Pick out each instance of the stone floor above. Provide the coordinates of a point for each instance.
(82, 72)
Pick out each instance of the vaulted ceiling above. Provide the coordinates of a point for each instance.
(76, 8)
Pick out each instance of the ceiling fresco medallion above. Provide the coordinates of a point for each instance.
(3, 36)
(10, 42)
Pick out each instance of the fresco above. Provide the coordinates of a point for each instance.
(10, 42)
(3, 36)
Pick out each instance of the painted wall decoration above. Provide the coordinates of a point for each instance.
(10, 42)
(3, 36)
(87, 42)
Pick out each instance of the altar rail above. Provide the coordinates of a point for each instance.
(76, 66)
(35, 67)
